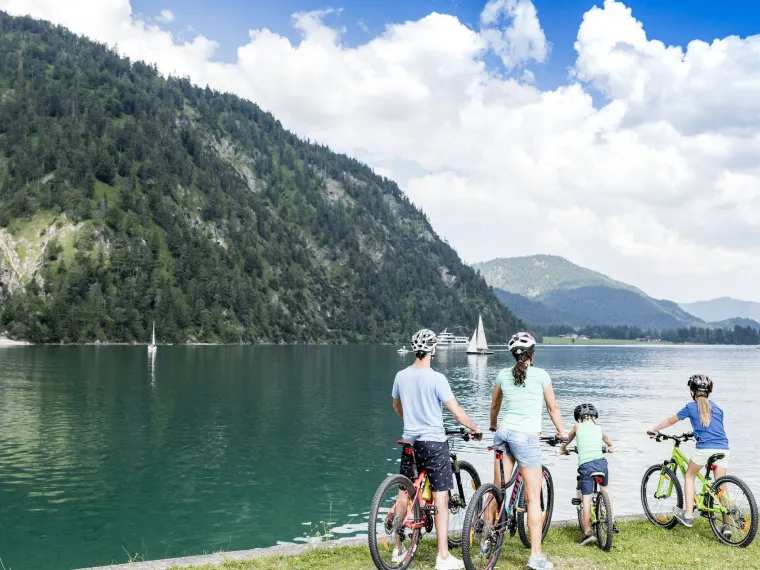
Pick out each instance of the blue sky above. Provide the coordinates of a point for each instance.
(671, 21)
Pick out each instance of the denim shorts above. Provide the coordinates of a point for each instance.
(586, 469)
(523, 446)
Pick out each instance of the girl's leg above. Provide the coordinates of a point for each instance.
(532, 480)
(721, 472)
(688, 487)
(509, 464)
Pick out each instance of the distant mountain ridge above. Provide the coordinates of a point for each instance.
(723, 308)
(534, 275)
(549, 290)
(736, 321)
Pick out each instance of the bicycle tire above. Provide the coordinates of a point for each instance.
(547, 508)
(604, 520)
(716, 526)
(667, 522)
(374, 511)
(473, 510)
(473, 473)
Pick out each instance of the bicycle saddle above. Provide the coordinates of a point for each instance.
(597, 475)
(498, 449)
(713, 458)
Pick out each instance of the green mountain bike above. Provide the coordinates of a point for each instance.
(728, 503)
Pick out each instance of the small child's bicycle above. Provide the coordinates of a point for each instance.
(728, 503)
(492, 514)
(602, 520)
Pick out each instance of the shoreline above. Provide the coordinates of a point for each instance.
(282, 550)
(8, 342)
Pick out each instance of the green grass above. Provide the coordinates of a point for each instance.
(639, 545)
(558, 340)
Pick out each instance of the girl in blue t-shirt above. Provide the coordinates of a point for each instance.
(707, 423)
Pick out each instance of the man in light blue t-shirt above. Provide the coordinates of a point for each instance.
(419, 394)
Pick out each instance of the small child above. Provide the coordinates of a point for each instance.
(707, 424)
(590, 439)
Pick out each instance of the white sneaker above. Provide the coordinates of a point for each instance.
(398, 554)
(450, 563)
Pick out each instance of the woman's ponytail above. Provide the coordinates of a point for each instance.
(705, 410)
(520, 369)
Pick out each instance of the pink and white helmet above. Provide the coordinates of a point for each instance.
(521, 342)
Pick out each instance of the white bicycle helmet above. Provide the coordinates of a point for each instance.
(521, 342)
(424, 341)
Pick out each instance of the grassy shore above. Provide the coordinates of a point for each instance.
(639, 545)
(558, 340)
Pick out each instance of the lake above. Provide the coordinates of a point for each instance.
(104, 452)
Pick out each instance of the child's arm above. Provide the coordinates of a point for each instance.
(665, 423)
(570, 437)
(608, 441)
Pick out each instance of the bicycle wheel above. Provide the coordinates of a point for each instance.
(391, 543)
(547, 508)
(457, 504)
(604, 520)
(659, 510)
(481, 549)
(741, 512)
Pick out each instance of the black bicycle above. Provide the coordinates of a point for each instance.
(490, 516)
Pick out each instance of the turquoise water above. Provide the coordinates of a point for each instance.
(104, 452)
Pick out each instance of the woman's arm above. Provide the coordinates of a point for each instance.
(665, 423)
(553, 408)
(496, 399)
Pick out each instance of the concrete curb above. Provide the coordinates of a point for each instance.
(282, 550)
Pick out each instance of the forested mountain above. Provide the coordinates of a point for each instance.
(534, 275)
(126, 197)
(549, 290)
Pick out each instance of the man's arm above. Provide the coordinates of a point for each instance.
(460, 415)
(553, 408)
(399, 408)
(496, 400)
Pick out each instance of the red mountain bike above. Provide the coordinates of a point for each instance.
(402, 509)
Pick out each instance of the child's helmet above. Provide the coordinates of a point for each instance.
(700, 384)
(585, 410)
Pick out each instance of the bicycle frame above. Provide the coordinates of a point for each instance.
(679, 461)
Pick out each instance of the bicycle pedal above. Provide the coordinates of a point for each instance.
(575, 501)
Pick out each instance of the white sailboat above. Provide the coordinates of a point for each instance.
(152, 346)
(478, 344)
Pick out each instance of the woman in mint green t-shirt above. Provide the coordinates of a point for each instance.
(521, 393)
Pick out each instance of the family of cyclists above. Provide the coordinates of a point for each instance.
(520, 394)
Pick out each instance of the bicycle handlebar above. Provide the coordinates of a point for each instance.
(658, 436)
(575, 450)
(467, 436)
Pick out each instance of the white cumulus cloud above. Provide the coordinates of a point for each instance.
(166, 16)
(658, 185)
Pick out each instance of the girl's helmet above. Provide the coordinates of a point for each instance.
(521, 342)
(700, 384)
(424, 341)
(585, 410)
